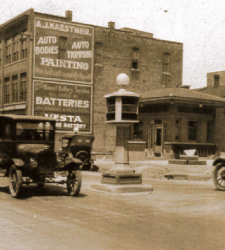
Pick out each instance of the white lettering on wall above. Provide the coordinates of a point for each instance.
(60, 102)
(60, 63)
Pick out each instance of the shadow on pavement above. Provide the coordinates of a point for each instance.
(47, 190)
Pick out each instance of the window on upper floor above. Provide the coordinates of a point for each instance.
(135, 58)
(8, 51)
(15, 48)
(98, 53)
(7, 90)
(166, 62)
(15, 89)
(23, 47)
(1, 54)
(216, 80)
(23, 87)
(166, 80)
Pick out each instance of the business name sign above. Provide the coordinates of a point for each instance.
(63, 51)
(69, 104)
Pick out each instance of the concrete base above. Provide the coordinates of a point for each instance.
(138, 188)
(177, 161)
(188, 157)
(193, 162)
(118, 179)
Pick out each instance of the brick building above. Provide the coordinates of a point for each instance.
(216, 86)
(52, 66)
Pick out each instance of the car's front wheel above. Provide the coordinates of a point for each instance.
(74, 181)
(15, 181)
(219, 176)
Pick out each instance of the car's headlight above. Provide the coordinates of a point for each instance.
(60, 162)
(33, 163)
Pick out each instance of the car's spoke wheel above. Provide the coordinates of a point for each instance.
(74, 183)
(15, 181)
(219, 176)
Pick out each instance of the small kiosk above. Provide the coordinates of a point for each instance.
(122, 110)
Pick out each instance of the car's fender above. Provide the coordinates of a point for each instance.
(219, 160)
(18, 162)
(72, 163)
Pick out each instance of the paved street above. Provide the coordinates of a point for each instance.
(177, 215)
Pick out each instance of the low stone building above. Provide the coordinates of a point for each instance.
(175, 119)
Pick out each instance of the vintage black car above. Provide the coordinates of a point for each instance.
(79, 146)
(218, 175)
(27, 154)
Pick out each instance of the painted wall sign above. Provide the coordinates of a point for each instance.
(63, 51)
(69, 104)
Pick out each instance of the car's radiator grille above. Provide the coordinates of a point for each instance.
(81, 153)
(46, 161)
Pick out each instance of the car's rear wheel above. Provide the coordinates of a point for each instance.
(15, 181)
(219, 176)
(74, 181)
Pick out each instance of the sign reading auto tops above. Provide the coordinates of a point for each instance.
(69, 104)
(63, 51)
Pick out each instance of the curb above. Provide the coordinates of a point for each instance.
(186, 176)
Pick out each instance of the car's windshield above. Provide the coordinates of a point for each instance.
(34, 131)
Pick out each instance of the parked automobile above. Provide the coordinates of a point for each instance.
(79, 146)
(218, 175)
(27, 155)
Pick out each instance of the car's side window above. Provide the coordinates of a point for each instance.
(8, 131)
(2, 131)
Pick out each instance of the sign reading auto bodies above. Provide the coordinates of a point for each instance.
(63, 51)
(63, 69)
(69, 104)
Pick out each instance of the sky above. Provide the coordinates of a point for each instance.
(198, 24)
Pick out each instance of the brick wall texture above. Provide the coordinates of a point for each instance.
(117, 49)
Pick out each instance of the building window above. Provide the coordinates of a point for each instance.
(8, 51)
(166, 79)
(177, 130)
(1, 53)
(135, 58)
(209, 131)
(138, 131)
(166, 62)
(216, 80)
(62, 47)
(98, 53)
(24, 45)
(192, 130)
(7, 90)
(15, 48)
(15, 90)
(23, 87)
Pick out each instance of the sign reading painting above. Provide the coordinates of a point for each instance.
(69, 104)
(63, 51)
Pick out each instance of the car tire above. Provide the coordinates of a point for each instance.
(15, 181)
(219, 176)
(74, 181)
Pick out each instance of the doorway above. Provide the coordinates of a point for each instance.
(158, 140)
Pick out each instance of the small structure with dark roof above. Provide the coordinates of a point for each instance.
(175, 119)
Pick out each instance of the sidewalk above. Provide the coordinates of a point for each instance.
(157, 169)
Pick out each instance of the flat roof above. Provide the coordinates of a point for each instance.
(180, 93)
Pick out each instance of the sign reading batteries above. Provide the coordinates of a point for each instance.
(63, 51)
(69, 104)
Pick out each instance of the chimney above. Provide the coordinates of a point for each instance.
(69, 15)
(111, 25)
